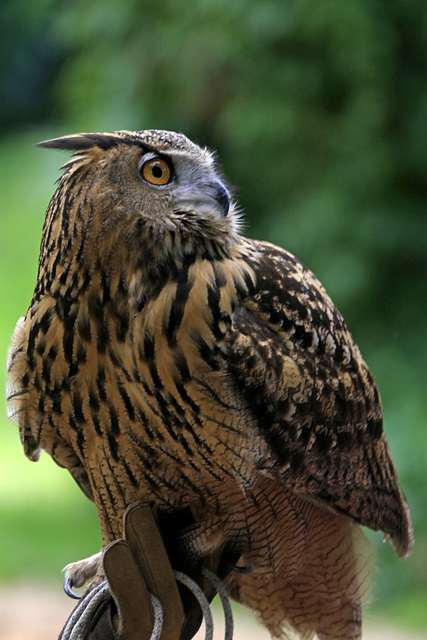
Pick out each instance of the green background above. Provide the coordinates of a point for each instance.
(318, 112)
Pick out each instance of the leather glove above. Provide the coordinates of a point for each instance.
(135, 567)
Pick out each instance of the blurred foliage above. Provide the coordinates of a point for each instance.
(318, 111)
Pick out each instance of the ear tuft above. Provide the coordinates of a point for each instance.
(82, 141)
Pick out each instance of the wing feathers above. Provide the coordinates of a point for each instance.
(317, 406)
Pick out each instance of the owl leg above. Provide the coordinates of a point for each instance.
(78, 573)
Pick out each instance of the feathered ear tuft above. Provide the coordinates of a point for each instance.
(81, 141)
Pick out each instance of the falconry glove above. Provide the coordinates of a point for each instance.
(140, 580)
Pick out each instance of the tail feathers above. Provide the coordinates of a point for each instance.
(325, 592)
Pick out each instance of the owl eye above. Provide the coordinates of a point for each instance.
(156, 171)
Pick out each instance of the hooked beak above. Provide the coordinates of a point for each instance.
(222, 198)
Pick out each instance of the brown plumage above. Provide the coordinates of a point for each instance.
(168, 359)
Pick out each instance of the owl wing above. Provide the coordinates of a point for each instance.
(303, 378)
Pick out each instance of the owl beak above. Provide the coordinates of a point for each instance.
(204, 197)
(222, 198)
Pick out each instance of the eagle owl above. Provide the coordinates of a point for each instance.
(168, 359)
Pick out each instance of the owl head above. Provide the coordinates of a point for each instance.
(139, 193)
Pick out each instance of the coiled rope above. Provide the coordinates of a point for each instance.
(80, 620)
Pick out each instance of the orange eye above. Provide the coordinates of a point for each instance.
(156, 171)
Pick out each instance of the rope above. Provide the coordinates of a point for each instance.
(158, 617)
(82, 614)
(201, 598)
(225, 601)
(80, 620)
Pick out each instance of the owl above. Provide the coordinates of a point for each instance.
(166, 358)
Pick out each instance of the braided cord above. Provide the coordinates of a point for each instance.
(82, 615)
(158, 617)
(80, 620)
(225, 601)
(197, 591)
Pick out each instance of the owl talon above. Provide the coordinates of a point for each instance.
(68, 584)
(78, 573)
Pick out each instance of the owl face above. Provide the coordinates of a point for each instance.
(189, 175)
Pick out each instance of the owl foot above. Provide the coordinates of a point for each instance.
(78, 573)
